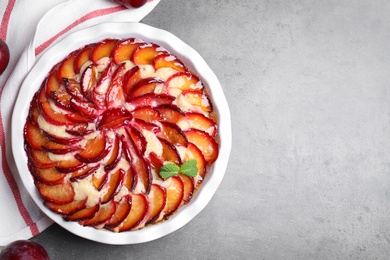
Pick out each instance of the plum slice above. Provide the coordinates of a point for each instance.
(83, 214)
(175, 193)
(144, 86)
(70, 165)
(114, 118)
(53, 116)
(83, 172)
(57, 148)
(157, 202)
(173, 134)
(151, 99)
(189, 187)
(68, 208)
(116, 155)
(83, 57)
(33, 136)
(124, 49)
(101, 216)
(66, 69)
(95, 149)
(205, 143)
(198, 121)
(146, 53)
(141, 167)
(113, 185)
(103, 49)
(138, 211)
(169, 153)
(130, 179)
(103, 85)
(49, 176)
(40, 159)
(193, 153)
(182, 81)
(88, 81)
(130, 79)
(122, 209)
(164, 60)
(59, 194)
(198, 100)
(147, 114)
(138, 139)
(170, 113)
(115, 97)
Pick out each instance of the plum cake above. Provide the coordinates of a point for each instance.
(120, 135)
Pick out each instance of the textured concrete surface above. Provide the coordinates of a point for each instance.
(309, 175)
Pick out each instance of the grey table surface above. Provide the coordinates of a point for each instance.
(307, 84)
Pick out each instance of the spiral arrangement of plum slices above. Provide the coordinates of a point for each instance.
(103, 123)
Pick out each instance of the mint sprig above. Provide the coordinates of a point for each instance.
(189, 168)
(171, 169)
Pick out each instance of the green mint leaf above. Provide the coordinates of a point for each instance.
(169, 170)
(189, 168)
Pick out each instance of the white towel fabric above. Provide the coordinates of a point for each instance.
(30, 28)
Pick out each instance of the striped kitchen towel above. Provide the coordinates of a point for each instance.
(30, 28)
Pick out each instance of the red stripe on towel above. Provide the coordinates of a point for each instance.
(12, 182)
(89, 16)
(6, 169)
(5, 20)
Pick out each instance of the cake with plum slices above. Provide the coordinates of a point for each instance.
(120, 135)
